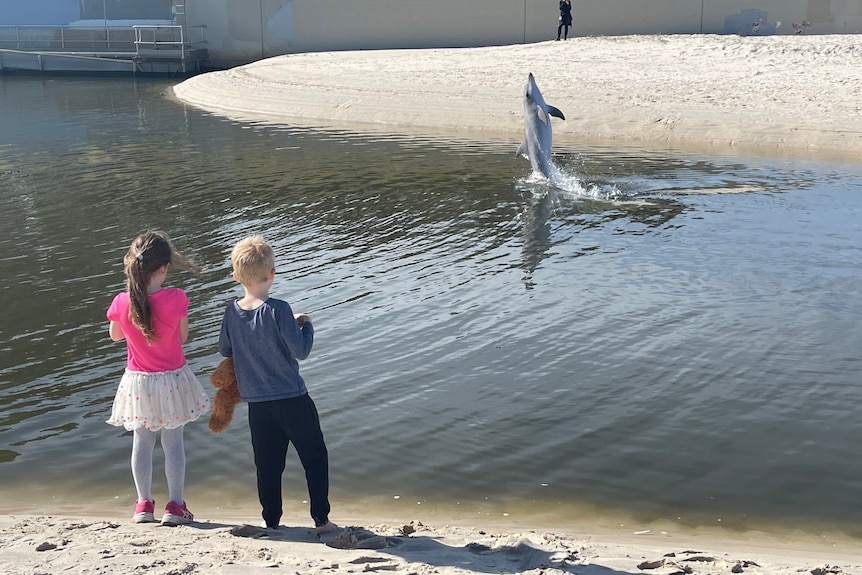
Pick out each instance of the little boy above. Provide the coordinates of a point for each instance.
(265, 339)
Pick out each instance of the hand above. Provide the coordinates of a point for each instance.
(301, 318)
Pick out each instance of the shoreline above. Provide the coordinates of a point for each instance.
(238, 501)
(766, 94)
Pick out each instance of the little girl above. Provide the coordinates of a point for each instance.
(158, 391)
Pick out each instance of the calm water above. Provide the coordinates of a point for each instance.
(628, 342)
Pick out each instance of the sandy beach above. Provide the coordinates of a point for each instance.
(785, 94)
(42, 544)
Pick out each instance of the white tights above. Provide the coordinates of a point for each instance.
(175, 462)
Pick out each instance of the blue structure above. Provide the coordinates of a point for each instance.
(99, 36)
(40, 12)
(65, 12)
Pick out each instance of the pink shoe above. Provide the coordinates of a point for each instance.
(176, 515)
(144, 512)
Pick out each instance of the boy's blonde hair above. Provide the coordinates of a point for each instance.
(252, 260)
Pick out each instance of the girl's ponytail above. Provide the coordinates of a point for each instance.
(148, 253)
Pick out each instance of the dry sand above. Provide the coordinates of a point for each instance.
(791, 94)
(788, 93)
(40, 544)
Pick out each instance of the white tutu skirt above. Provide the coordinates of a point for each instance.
(159, 400)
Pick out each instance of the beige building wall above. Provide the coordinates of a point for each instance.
(627, 17)
(241, 31)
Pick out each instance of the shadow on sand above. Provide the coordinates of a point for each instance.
(501, 556)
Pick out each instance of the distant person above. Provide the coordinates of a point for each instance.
(565, 18)
(158, 391)
(266, 340)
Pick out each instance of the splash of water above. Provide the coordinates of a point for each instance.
(571, 185)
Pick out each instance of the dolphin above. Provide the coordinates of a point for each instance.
(537, 128)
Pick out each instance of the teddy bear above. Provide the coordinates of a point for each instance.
(227, 396)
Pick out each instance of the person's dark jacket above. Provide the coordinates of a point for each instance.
(566, 13)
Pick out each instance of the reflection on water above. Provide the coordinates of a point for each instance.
(630, 336)
(543, 201)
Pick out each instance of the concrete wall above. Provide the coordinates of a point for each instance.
(623, 17)
(825, 16)
(250, 29)
(240, 31)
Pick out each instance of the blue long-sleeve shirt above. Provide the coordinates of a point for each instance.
(265, 344)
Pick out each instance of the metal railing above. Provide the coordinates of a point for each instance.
(168, 37)
(102, 38)
(96, 38)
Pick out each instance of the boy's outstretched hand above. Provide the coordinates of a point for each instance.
(301, 318)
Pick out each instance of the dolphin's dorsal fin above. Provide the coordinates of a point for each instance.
(554, 111)
(522, 149)
(543, 118)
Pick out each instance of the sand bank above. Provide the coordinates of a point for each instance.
(792, 93)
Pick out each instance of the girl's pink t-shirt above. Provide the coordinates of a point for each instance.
(165, 353)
